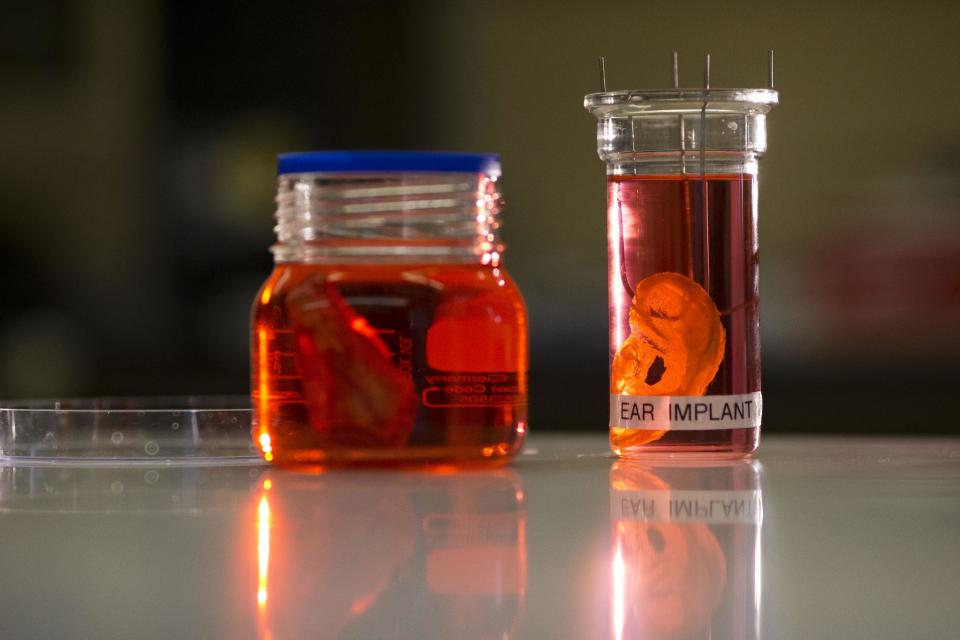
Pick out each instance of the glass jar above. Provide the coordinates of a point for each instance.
(389, 329)
(683, 261)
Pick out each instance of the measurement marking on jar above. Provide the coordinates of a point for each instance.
(473, 390)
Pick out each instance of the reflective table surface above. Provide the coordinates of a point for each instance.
(817, 538)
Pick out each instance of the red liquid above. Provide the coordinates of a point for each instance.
(657, 224)
(391, 363)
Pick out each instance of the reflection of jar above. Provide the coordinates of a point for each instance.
(437, 555)
(685, 547)
(389, 329)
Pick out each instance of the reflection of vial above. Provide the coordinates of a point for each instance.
(389, 329)
(683, 267)
(686, 551)
(354, 555)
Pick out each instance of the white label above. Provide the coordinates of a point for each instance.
(686, 413)
(713, 507)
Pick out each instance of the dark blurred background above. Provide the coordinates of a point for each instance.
(138, 142)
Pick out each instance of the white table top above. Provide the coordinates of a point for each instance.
(856, 538)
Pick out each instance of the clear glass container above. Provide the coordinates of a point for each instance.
(389, 330)
(189, 430)
(683, 267)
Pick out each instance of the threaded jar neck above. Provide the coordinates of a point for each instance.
(388, 216)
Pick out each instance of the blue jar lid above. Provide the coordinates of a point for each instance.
(399, 161)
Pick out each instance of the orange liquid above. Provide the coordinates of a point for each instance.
(657, 231)
(389, 363)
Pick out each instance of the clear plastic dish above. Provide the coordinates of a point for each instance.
(124, 431)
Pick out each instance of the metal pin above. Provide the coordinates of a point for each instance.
(770, 69)
(680, 127)
(703, 120)
(704, 192)
(603, 75)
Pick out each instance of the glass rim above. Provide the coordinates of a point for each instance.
(134, 404)
(754, 100)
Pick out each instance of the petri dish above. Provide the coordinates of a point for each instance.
(128, 431)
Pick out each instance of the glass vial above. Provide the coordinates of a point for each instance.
(389, 330)
(683, 267)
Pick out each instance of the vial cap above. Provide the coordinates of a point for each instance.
(388, 161)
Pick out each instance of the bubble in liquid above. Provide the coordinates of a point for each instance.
(151, 448)
(116, 437)
(151, 476)
(175, 425)
(116, 487)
